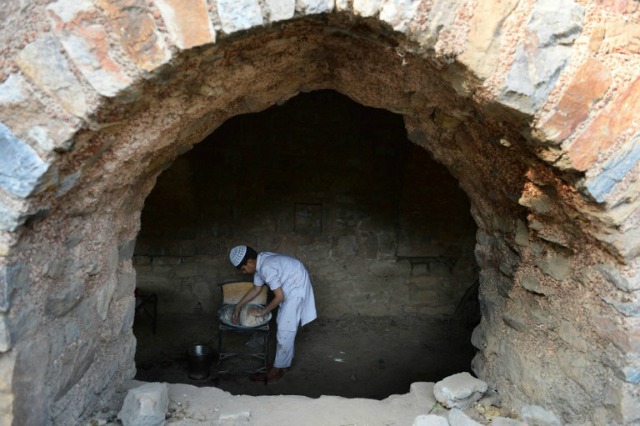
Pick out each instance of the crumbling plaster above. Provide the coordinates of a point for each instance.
(530, 105)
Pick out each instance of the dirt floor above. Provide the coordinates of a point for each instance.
(353, 356)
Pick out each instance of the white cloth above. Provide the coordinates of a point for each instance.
(284, 349)
(289, 274)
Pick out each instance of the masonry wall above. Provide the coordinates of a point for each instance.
(382, 227)
(531, 106)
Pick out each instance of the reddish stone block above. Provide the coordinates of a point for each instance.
(607, 126)
(86, 43)
(135, 25)
(626, 340)
(623, 37)
(588, 85)
(187, 22)
(618, 6)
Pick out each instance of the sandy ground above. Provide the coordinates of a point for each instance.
(190, 406)
(352, 357)
(350, 371)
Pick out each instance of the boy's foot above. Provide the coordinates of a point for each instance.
(273, 375)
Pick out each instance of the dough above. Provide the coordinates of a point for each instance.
(248, 317)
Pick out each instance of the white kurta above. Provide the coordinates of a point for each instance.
(289, 274)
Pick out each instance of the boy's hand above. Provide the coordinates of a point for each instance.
(235, 315)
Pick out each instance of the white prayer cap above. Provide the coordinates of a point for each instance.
(236, 255)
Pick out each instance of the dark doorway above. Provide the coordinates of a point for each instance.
(383, 229)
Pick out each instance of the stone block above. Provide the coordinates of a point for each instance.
(506, 421)
(141, 260)
(44, 64)
(145, 405)
(537, 416)
(366, 8)
(65, 298)
(139, 36)
(556, 265)
(622, 36)
(459, 390)
(187, 270)
(126, 249)
(627, 341)
(166, 260)
(459, 418)
(481, 53)
(21, 169)
(126, 284)
(23, 323)
(533, 198)
(5, 335)
(629, 308)
(280, 10)
(622, 403)
(578, 368)
(625, 243)
(553, 25)
(184, 248)
(398, 14)
(610, 123)
(238, 15)
(515, 323)
(30, 399)
(12, 215)
(522, 234)
(312, 7)
(12, 277)
(76, 26)
(614, 170)
(626, 280)
(430, 420)
(479, 337)
(187, 23)
(570, 334)
(28, 119)
(105, 295)
(71, 366)
(588, 86)
(534, 285)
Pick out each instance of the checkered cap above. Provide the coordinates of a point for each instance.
(236, 255)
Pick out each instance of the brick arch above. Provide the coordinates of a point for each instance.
(516, 100)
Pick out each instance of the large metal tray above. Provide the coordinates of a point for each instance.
(225, 312)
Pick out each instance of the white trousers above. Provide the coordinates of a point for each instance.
(284, 348)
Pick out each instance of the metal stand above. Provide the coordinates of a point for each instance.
(262, 355)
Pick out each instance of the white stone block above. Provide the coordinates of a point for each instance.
(398, 13)
(280, 10)
(145, 405)
(366, 7)
(459, 391)
(310, 7)
(430, 420)
(237, 15)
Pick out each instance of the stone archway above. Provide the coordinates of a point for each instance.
(529, 106)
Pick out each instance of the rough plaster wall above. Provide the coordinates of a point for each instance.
(383, 229)
(547, 156)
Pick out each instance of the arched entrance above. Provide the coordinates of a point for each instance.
(531, 114)
(384, 230)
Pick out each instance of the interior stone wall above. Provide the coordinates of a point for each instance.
(531, 106)
(382, 228)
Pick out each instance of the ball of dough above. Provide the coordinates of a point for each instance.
(248, 317)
